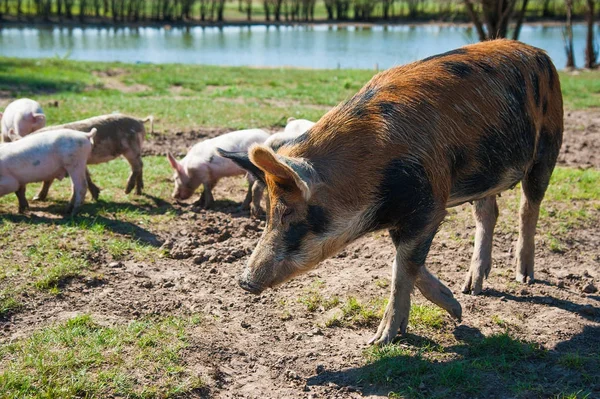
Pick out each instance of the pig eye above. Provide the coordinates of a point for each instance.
(287, 212)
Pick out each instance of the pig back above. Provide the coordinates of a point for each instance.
(44, 157)
(116, 135)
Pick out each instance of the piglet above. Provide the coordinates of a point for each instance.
(43, 157)
(204, 166)
(117, 135)
(21, 117)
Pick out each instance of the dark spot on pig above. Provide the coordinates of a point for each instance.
(405, 199)
(545, 64)
(509, 145)
(292, 238)
(317, 219)
(458, 159)
(535, 82)
(211, 159)
(299, 140)
(359, 103)
(387, 109)
(36, 163)
(419, 253)
(536, 181)
(458, 51)
(485, 66)
(460, 69)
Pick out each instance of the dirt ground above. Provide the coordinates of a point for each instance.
(270, 346)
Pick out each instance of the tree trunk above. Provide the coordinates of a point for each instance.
(266, 8)
(591, 50)
(520, 19)
(568, 35)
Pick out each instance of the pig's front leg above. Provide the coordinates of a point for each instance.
(410, 258)
(43, 193)
(206, 199)
(23, 204)
(438, 293)
(248, 199)
(257, 192)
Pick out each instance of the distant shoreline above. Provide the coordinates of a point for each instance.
(108, 23)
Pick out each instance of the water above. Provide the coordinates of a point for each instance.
(298, 46)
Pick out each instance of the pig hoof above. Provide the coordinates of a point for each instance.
(473, 284)
(256, 212)
(524, 279)
(38, 198)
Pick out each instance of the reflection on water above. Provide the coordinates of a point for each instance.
(321, 46)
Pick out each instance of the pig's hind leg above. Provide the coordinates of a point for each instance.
(135, 178)
(79, 189)
(533, 189)
(485, 212)
(94, 189)
(43, 193)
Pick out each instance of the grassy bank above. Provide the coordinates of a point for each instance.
(184, 97)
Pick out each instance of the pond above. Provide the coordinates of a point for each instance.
(318, 46)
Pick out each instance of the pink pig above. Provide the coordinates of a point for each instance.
(43, 157)
(20, 118)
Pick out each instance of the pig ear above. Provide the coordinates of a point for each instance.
(39, 117)
(174, 163)
(243, 161)
(284, 169)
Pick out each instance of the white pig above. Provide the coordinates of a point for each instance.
(20, 118)
(43, 157)
(294, 128)
(204, 166)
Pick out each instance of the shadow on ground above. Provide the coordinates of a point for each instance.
(497, 366)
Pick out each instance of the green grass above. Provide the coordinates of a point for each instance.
(40, 254)
(414, 372)
(82, 358)
(184, 97)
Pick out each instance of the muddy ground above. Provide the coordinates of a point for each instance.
(271, 346)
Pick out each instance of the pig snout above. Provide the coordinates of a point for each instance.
(249, 286)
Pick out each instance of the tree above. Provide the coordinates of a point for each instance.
(492, 17)
(591, 49)
(568, 35)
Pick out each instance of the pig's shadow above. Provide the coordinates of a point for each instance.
(588, 312)
(479, 365)
(90, 216)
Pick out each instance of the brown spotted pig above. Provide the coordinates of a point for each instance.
(457, 127)
(117, 135)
